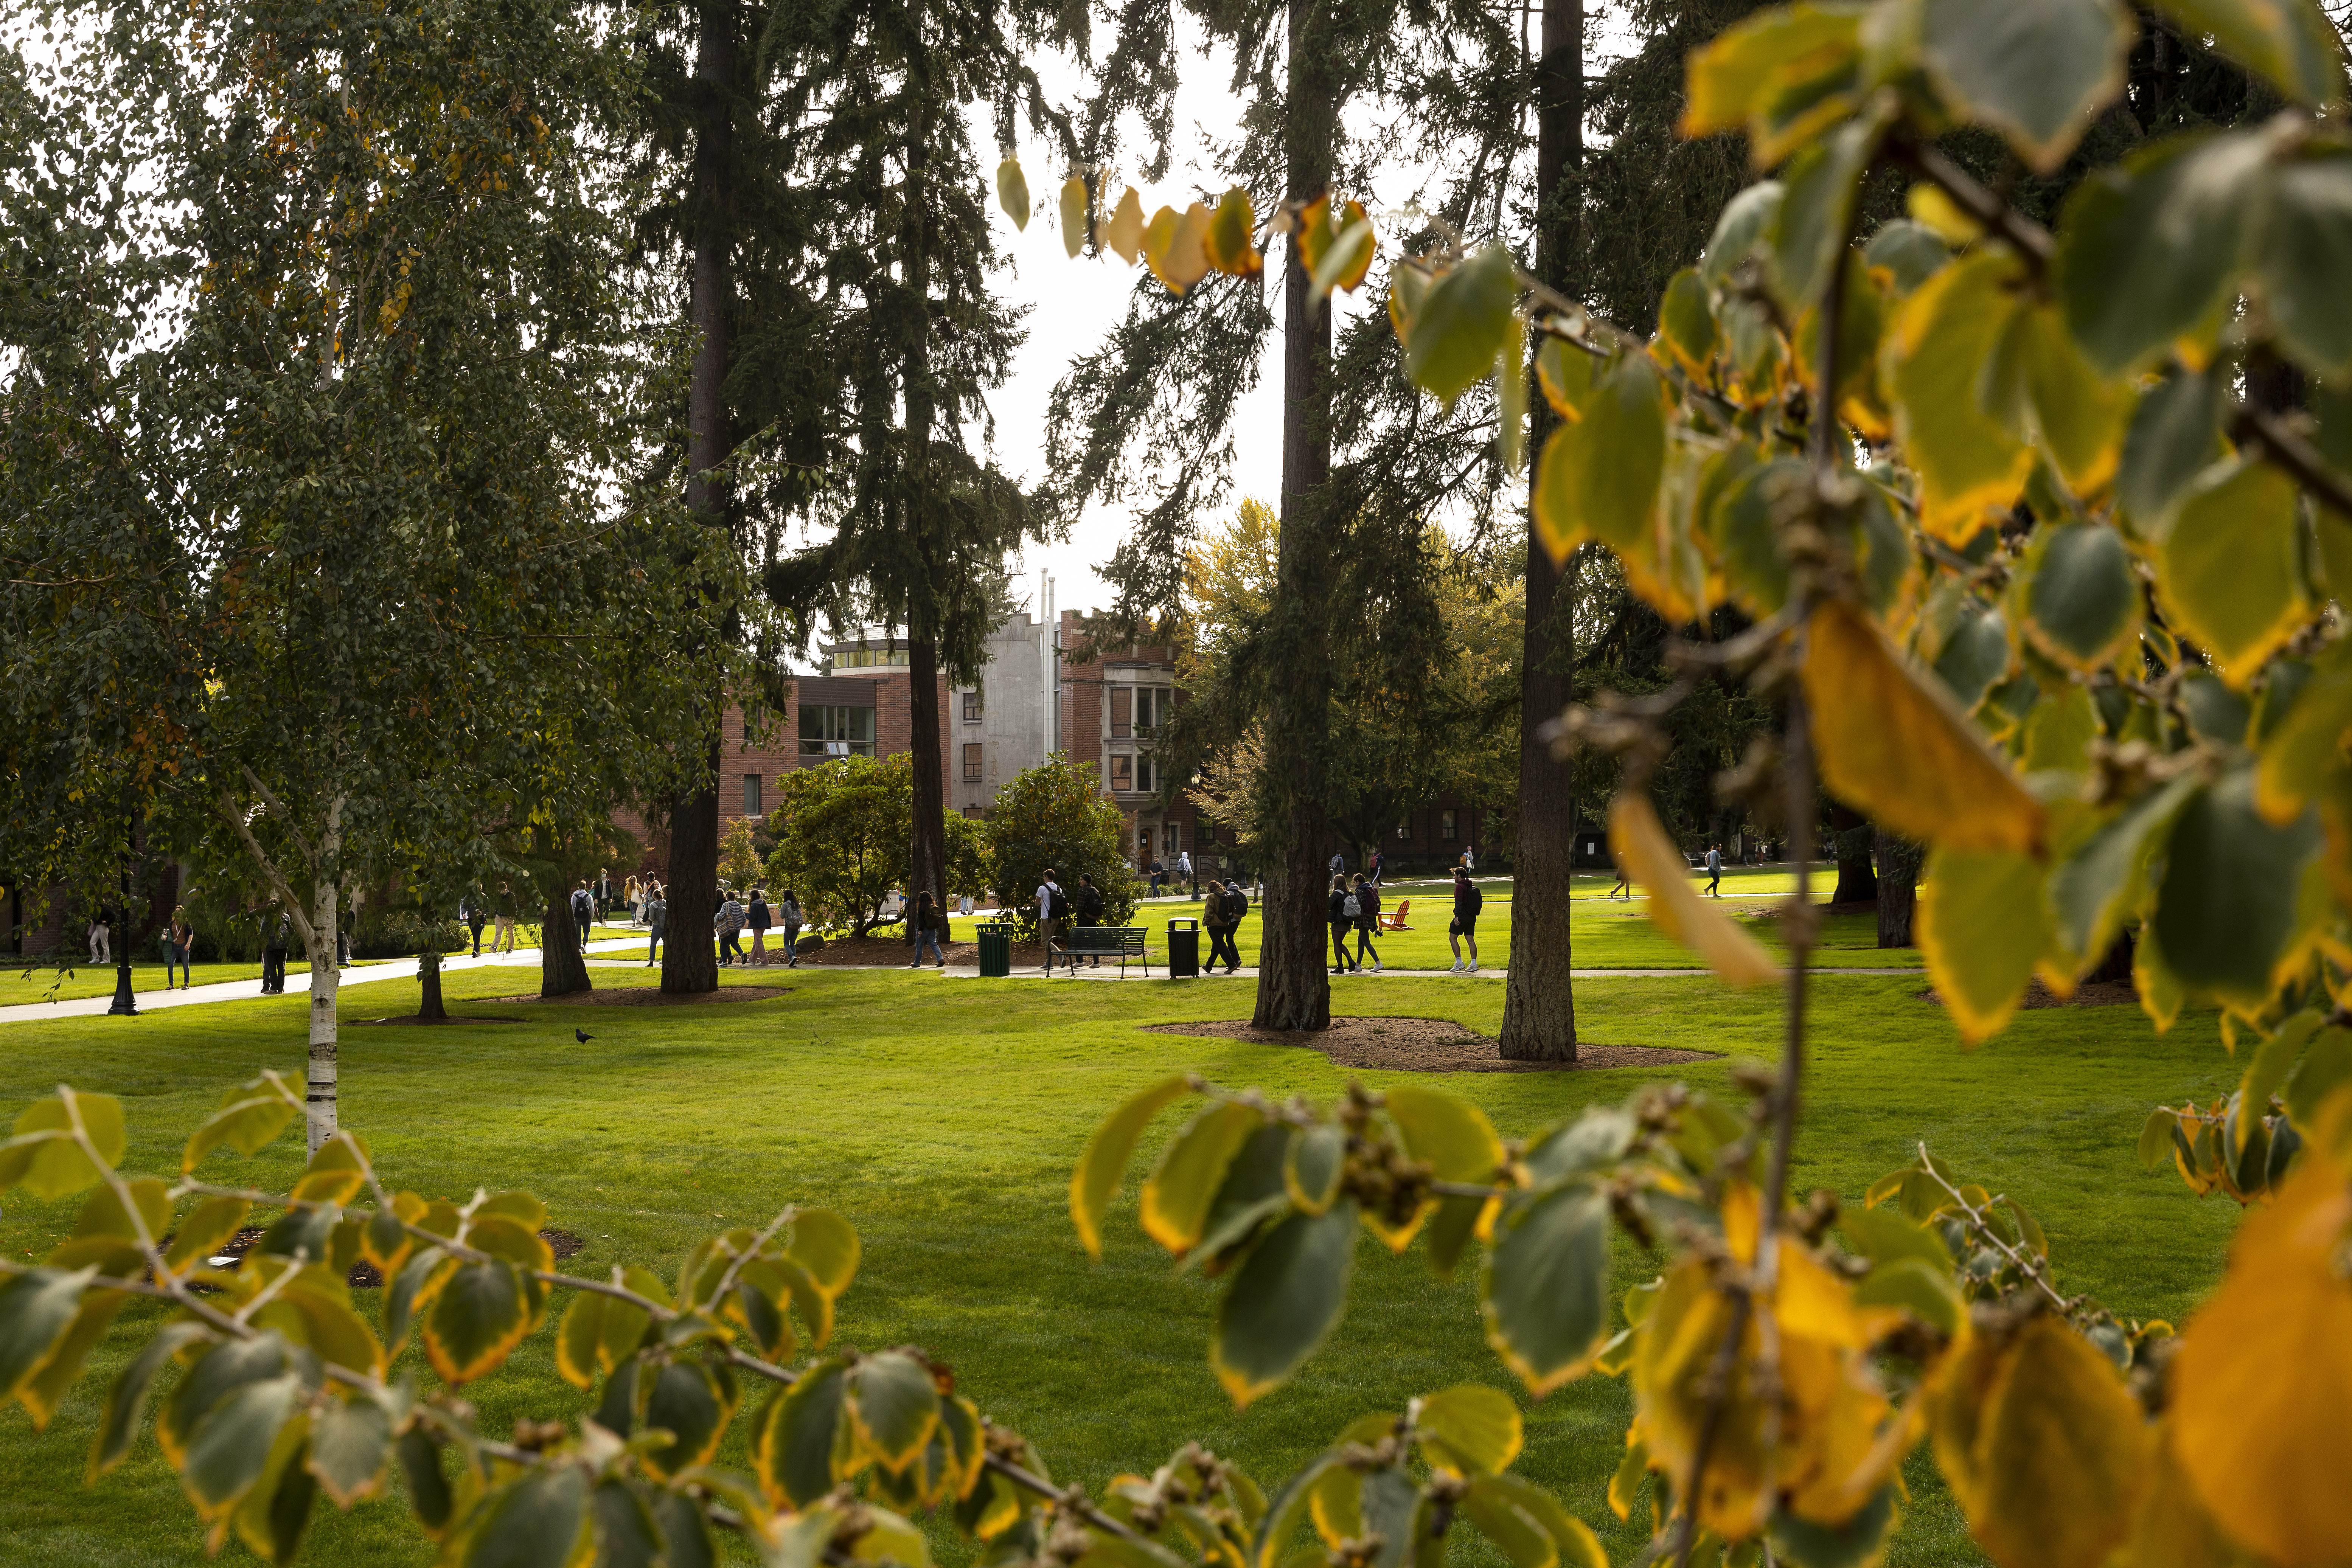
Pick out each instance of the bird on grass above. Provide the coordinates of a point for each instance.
(583, 1036)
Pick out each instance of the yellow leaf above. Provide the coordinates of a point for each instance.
(1174, 247)
(1893, 746)
(1226, 240)
(1073, 214)
(1970, 468)
(1984, 924)
(2228, 569)
(1126, 233)
(1677, 909)
(1012, 191)
(2262, 1384)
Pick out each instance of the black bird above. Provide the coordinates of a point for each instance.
(583, 1036)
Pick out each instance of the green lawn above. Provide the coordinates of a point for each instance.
(943, 1118)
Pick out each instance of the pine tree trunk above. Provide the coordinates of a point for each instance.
(563, 970)
(1898, 887)
(692, 966)
(1540, 997)
(428, 979)
(1294, 992)
(326, 977)
(1856, 883)
(928, 839)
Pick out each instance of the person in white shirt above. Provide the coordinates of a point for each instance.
(1184, 870)
(1049, 903)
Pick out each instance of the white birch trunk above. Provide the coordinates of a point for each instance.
(326, 978)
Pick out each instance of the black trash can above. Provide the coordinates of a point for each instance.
(995, 949)
(1184, 949)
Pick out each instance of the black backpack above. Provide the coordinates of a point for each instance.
(1090, 903)
(1236, 906)
(1057, 903)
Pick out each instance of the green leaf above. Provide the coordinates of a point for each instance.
(1884, 1236)
(1816, 212)
(1566, 373)
(207, 1225)
(1451, 1134)
(1178, 1194)
(1013, 193)
(1392, 1510)
(351, 1443)
(1311, 1166)
(2228, 569)
(2290, 42)
(2274, 1060)
(1858, 1541)
(2301, 746)
(1910, 253)
(410, 1291)
(479, 1315)
(577, 1338)
(1524, 1542)
(2155, 1145)
(1255, 1190)
(794, 1440)
(1975, 654)
(1600, 473)
(2175, 435)
(538, 1521)
(2059, 731)
(2223, 913)
(1577, 1546)
(249, 1119)
(627, 1536)
(428, 1487)
(36, 1308)
(336, 1173)
(2035, 70)
(1746, 221)
(2306, 233)
(2092, 890)
(1285, 1298)
(1460, 325)
(1917, 1287)
(2215, 713)
(692, 1403)
(1545, 1294)
(1511, 397)
(1471, 1430)
(895, 1406)
(43, 1158)
(1287, 1511)
(126, 1401)
(274, 1511)
(822, 1243)
(2326, 1066)
(2148, 249)
(889, 1538)
(219, 1372)
(1969, 466)
(2082, 601)
(229, 1447)
(686, 1537)
(1983, 924)
(1687, 322)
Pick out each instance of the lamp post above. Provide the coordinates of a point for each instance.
(124, 1006)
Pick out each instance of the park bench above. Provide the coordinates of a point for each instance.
(1120, 942)
(1395, 921)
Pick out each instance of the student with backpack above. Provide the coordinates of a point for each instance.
(1467, 902)
(788, 913)
(1344, 906)
(1052, 908)
(729, 924)
(930, 923)
(1368, 920)
(1089, 901)
(1232, 904)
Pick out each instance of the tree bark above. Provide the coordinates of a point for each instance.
(1898, 886)
(1540, 997)
(2117, 966)
(1856, 883)
(320, 1091)
(563, 971)
(428, 979)
(927, 840)
(1294, 992)
(691, 966)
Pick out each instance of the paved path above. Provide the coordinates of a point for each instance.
(526, 959)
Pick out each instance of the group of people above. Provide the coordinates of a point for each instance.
(737, 913)
(478, 911)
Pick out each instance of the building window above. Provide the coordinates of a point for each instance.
(1122, 712)
(1122, 771)
(972, 705)
(1445, 826)
(1151, 707)
(754, 716)
(751, 794)
(869, 658)
(1169, 839)
(1143, 772)
(971, 764)
(829, 731)
(974, 813)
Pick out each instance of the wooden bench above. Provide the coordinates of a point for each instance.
(1395, 922)
(1120, 942)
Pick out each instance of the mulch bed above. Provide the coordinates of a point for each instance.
(867, 950)
(453, 1017)
(1428, 1045)
(363, 1275)
(2091, 994)
(653, 997)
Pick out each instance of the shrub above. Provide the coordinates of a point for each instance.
(1054, 815)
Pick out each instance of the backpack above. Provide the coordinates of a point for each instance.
(1090, 903)
(1236, 906)
(1057, 903)
(1352, 906)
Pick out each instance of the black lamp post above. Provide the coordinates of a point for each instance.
(124, 1006)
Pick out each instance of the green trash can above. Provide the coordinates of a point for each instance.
(1184, 949)
(995, 949)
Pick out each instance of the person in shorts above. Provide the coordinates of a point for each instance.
(1467, 901)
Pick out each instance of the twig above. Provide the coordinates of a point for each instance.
(2032, 1268)
(2026, 237)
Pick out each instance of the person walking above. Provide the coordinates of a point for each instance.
(1368, 921)
(1470, 857)
(657, 922)
(1378, 865)
(757, 917)
(502, 912)
(1213, 921)
(1086, 900)
(729, 924)
(1158, 876)
(930, 922)
(1237, 905)
(184, 945)
(583, 911)
(1714, 871)
(603, 892)
(1049, 911)
(1343, 920)
(1467, 902)
(470, 911)
(100, 940)
(1184, 871)
(788, 915)
(1338, 864)
(275, 931)
(1624, 881)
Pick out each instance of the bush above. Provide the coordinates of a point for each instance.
(403, 933)
(1054, 815)
(842, 839)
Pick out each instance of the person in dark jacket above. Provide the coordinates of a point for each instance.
(1087, 900)
(1368, 921)
(1343, 920)
(758, 918)
(788, 913)
(1467, 902)
(583, 912)
(1237, 907)
(275, 930)
(657, 924)
(474, 916)
(930, 923)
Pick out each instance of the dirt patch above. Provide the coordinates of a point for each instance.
(1428, 1045)
(653, 997)
(882, 950)
(2089, 994)
(363, 1275)
(453, 1017)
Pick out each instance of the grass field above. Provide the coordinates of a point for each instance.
(943, 1117)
